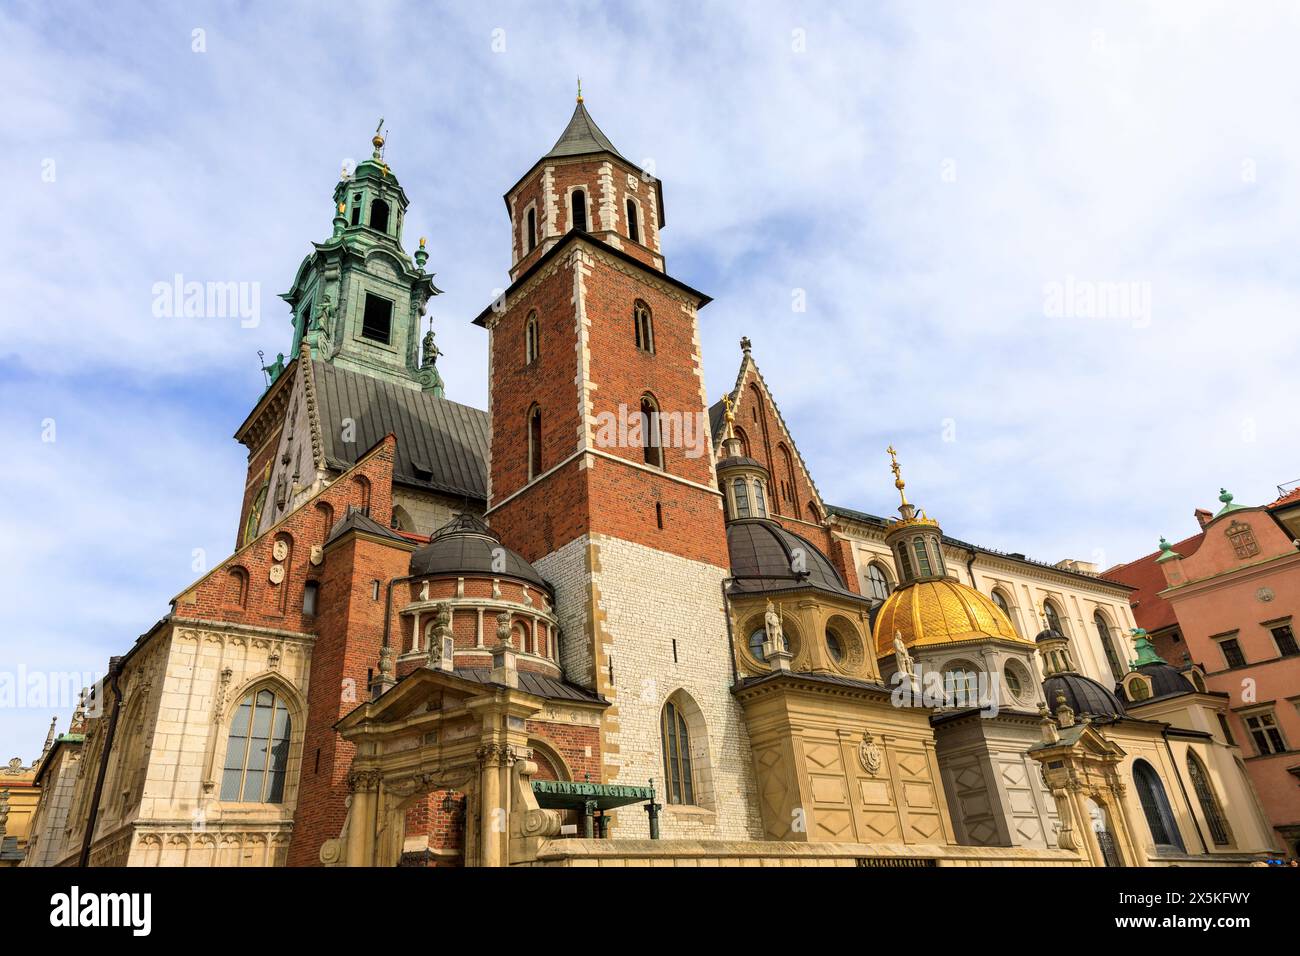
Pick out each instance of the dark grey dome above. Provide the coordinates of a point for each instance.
(1083, 694)
(764, 557)
(740, 461)
(1166, 681)
(465, 545)
(1049, 634)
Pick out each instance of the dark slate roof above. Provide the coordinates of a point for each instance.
(441, 445)
(531, 682)
(762, 553)
(356, 520)
(466, 545)
(1166, 681)
(1083, 694)
(717, 417)
(580, 137)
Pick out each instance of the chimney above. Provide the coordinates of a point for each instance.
(1202, 516)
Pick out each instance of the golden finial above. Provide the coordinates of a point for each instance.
(579, 89)
(342, 208)
(422, 242)
(898, 477)
(378, 140)
(730, 407)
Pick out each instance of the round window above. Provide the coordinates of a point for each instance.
(758, 639)
(833, 646)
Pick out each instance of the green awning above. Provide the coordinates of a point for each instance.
(574, 795)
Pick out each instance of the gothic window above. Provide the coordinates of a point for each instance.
(1209, 802)
(922, 558)
(877, 581)
(633, 227)
(1108, 645)
(644, 329)
(255, 513)
(651, 439)
(760, 505)
(532, 345)
(744, 441)
(377, 319)
(814, 515)
(257, 750)
(379, 215)
(1155, 806)
(579, 210)
(310, 598)
(740, 491)
(678, 773)
(532, 229)
(1243, 540)
(1265, 733)
(904, 563)
(534, 441)
(1004, 606)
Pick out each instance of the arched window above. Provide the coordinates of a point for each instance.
(1155, 806)
(1004, 606)
(904, 563)
(1053, 618)
(257, 749)
(532, 344)
(814, 515)
(379, 215)
(679, 776)
(787, 479)
(534, 441)
(651, 440)
(961, 684)
(1107, 645)
(633, 227)
(922, 557)
(237, 587)
(877, 581)
(1208, 800)
(740, 491)
(361, 493)
(310, 598)
(644, 327)
(760, 505)
(744, 441)
(579, 210)
(532, 229)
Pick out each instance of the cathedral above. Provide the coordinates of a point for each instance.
(606, 621)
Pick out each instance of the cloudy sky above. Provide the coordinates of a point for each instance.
(1048, 252)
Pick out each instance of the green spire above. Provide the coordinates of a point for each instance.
(1146, 651)
(1227, 503)
(1167, 552)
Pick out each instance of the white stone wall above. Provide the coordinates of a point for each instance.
(644, 600)
(429, 511)
(46, 843)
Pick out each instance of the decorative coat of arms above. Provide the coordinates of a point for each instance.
(869, 754)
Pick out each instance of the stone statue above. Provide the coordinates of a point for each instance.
(323, 315)
(503, 629)
(772, 625)
(902, 659)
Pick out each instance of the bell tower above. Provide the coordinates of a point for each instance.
(357, 298)
(601, 471)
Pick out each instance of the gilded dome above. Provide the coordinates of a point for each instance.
(939, 611)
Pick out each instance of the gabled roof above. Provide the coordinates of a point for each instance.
(581, 136)
(1145, 576)
(441, 445)
(356, 520)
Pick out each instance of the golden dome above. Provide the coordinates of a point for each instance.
(940, 611)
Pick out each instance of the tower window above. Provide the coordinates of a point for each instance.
(651, 443)
(310, 598)
(532, 229)
(760, 506)
(534, 442)
(633, 227)
(740, 491)
(877, 582)
(579, 210)
(379, 215)
(644, 328)
(356, 209)
(532, 347)
(922, 559)
(377, 320)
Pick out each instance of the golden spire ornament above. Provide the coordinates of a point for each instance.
(898, 476)
(579, 89)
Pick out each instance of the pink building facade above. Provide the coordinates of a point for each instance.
(1234, 591)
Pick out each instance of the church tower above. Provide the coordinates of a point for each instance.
(601, 474)
(358, 297)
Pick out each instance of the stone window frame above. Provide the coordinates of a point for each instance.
(296, 706)
(703, 793)
(1269, 711)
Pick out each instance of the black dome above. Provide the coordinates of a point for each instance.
(1049, 634)
(1166, 681)
(465, 545)
(1083, 694)
(740, 461)
(763, 555)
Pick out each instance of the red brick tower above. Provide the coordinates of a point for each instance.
(601, 473)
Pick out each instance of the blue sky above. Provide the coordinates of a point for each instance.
(924, 172)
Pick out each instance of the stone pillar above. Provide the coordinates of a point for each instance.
(492, 814)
